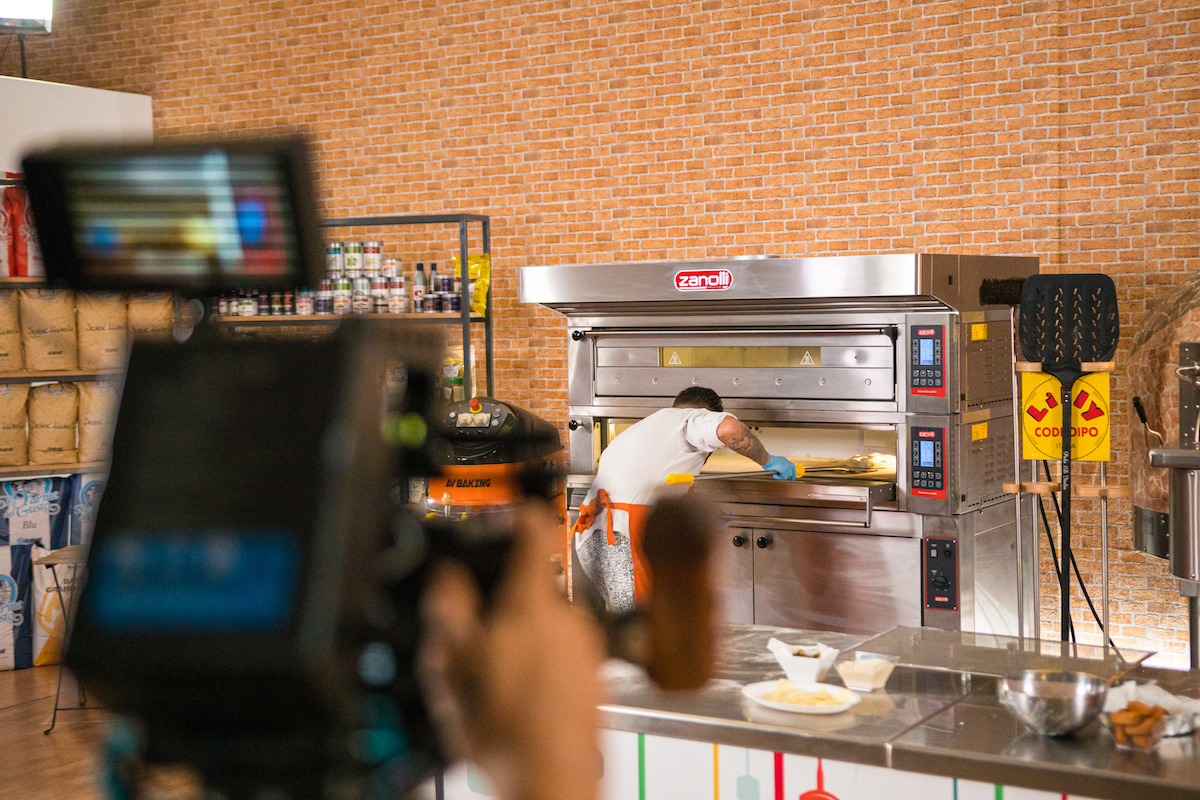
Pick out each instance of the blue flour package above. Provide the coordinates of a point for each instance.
(34, 512)
(86, 490)
(16, 622)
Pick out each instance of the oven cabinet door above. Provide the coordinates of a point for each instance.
(848, 582)
(733, 568)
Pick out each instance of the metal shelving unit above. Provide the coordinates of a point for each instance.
(464, 318)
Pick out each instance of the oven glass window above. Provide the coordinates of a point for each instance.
(926, 454)
(926, 352)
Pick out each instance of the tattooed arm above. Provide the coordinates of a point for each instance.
(734, 434)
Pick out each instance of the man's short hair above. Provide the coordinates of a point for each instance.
(699, 397)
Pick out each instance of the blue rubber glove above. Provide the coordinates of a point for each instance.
(781, 468)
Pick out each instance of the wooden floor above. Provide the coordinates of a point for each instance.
(34, 766)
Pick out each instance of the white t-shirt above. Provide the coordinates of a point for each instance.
(635, 465)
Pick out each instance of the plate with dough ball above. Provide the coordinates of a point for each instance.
(801, 698)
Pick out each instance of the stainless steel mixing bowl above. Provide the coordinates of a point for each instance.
(1053, 702)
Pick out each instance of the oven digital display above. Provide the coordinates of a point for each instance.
(926, 454)
(926, 352)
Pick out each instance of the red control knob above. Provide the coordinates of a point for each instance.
(475, 405)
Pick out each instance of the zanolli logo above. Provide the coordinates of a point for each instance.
(925, 331)
(10, 606)
(926, 434)
(696, 280)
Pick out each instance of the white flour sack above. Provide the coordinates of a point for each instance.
(16, 632)
(48, 620)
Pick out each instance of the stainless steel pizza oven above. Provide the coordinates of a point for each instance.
(883, 375)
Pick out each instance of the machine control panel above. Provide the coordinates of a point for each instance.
(477, 417)
(927, 361)
(941, 574)
(927, 462)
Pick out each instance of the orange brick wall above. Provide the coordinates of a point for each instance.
(646, 129)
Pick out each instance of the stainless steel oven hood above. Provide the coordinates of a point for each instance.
(945, 281)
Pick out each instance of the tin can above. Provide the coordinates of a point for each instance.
(335, 262)
(276, 300)
(305, 301)
(342, 290)
(247, 305)
(372, 259)
(289, 303)
(389, 268)
(397, 299)
(418, 295)
(352, 253)
(455, 302)
(447, 282)
(360, 298)
(379, 295)
(324, 304)
(433, 302)
(222, 305)
(264, 304)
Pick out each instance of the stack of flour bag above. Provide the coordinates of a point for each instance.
(36, 517)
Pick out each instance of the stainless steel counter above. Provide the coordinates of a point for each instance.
(932, 717)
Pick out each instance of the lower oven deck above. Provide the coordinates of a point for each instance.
(835, 554)
(953, 572)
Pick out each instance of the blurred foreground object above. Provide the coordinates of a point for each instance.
(514, 686)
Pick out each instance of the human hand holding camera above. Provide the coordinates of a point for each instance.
(514, 687)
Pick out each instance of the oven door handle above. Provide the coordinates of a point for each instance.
(883, 330)
(756, 522)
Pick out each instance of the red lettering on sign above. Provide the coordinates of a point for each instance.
(1050, 401)
(703, 280)
(926, 434)
(925, 331)
(1037, 413)
(1092, 413)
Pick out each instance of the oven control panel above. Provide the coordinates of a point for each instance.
(941, 574)
(927, 360)
(927, 462)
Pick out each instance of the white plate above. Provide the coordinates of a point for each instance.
(755, 692)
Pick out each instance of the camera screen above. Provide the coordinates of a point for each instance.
(204, 216)
(204, 580)
(190, 215)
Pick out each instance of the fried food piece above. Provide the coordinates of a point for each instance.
(1126, 717)
(1143, 728)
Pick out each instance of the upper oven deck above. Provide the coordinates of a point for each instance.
(786, 339)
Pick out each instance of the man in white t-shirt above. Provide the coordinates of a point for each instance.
(632, 475)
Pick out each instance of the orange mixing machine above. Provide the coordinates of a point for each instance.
(492, 455)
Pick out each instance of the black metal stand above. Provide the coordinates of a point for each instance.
(66, 638)
(463, 221)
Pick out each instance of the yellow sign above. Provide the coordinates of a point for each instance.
(978, 431)
(978, 331)
(675, 356)
(1041, 417)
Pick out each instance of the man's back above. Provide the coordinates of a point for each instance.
(635, 464)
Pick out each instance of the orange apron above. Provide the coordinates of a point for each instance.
(637, 524)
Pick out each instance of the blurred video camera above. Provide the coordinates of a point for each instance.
(253, 578)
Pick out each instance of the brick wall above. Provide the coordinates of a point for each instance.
(646, 129)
